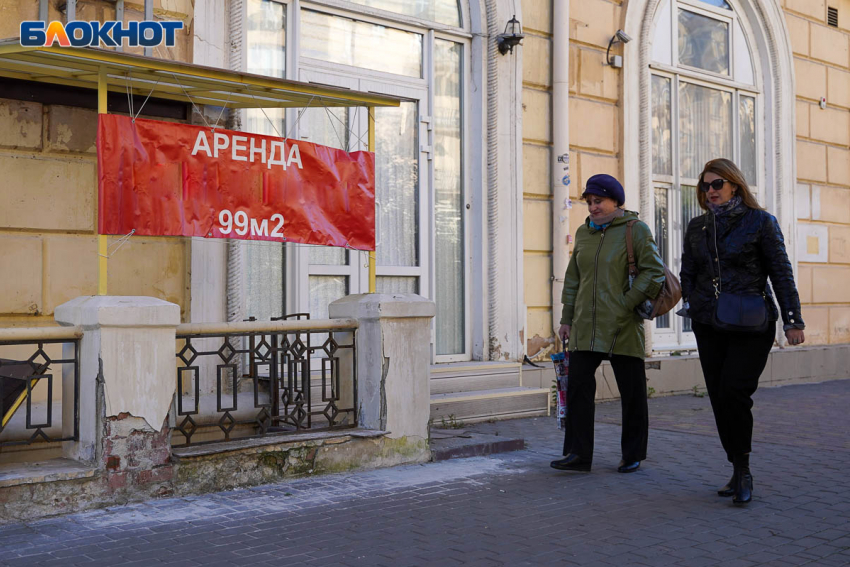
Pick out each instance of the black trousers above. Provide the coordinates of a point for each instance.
(732, 364)
(630, 374)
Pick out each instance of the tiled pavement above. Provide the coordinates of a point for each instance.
(512, 509)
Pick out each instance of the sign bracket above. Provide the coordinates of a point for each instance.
(102, 247)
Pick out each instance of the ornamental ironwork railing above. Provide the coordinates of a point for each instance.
(39, 370)
(257, 378)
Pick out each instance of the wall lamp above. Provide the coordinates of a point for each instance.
(619, 37)
(511, 38)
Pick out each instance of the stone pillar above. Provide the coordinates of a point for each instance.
(393, 364)
(127, 383)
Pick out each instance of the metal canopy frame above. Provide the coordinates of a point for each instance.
(104, 70)
(171, 80)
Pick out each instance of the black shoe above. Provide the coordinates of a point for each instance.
(729, 488)
(572, 462)
(743, 488)
(625, 467)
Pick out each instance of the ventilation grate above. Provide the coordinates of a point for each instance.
(832, 17)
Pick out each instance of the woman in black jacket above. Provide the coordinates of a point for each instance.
(729, 253)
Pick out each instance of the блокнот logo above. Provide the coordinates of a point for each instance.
(92, 34)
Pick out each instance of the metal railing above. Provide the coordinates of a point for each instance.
(267, 377)
(32, 367)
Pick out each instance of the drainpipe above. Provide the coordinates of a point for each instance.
(493, 274)
(560, 152)
(235, 290)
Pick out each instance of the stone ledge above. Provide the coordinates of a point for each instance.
(54, 470)
(382, 306)
(272, 441)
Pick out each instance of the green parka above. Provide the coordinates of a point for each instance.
(598, 303)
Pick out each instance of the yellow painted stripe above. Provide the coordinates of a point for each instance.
(102, 269)
(373, 278)
(23, 396)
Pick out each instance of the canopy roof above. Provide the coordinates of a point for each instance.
(172, 80)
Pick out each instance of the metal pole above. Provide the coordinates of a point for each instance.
(101, 238)
(42, 10)
(71, 10)
(119, 17)
(373, 280)
(148, 17)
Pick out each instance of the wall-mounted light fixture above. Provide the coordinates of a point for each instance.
(619, 37)
(511, 38)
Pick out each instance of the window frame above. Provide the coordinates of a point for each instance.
(352, 8)
(675, 338)
(728, 20)
(340, 13)
(466, 193)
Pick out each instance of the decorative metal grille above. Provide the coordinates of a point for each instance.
(18, 382)
(288, 384)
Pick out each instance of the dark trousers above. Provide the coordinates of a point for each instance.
(732, 364)
(630, 374)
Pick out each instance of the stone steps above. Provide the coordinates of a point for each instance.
(482, 405)
(480, 391)
(468, 377)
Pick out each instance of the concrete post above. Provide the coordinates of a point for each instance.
(128, 347)
(393, 363)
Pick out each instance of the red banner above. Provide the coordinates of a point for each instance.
(167, 179)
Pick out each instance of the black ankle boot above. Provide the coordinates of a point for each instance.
(744, 481)
(729, 488)
(572, 462)
(743, 488)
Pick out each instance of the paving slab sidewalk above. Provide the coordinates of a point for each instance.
(511, 508)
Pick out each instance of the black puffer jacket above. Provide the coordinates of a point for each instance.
(751, 248)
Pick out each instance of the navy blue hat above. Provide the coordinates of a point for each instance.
(604, 185)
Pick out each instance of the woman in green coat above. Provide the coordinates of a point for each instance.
(599, 322)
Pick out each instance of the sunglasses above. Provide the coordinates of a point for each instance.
(717, 185)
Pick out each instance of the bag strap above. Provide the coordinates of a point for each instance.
(716, 280)
(633, 271)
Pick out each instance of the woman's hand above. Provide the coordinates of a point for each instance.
(625, 314)
(795, 336)
(564, 334)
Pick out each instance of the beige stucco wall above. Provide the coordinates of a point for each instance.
(822, 62)
(536, 168)
(48, 192)
(594, 136)
(822, 66)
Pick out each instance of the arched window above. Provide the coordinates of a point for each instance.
(705, 99)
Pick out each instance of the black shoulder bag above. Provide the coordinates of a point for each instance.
(743, 313)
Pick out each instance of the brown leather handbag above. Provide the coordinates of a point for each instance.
(671, 291)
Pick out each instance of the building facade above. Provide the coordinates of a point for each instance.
(447, 175)
(763, 82)
(474, 195)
